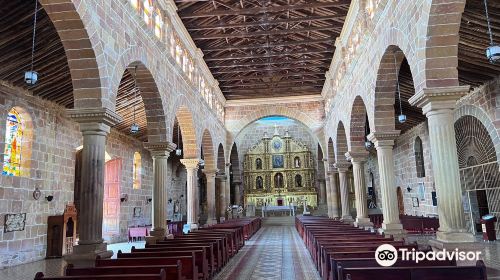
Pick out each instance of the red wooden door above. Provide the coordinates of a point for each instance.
(111, 209)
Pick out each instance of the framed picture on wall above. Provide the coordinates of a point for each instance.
(137, 212)
(415, 201)
(421, 191)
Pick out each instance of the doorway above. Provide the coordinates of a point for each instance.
(111, 203)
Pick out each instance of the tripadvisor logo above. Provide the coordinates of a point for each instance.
(387, 255)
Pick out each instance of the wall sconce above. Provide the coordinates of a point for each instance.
(409, 189)
(49, 198)
(148, 200)
(124, 198)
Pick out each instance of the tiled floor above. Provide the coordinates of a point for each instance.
(276, 252)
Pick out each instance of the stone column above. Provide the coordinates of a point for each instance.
(237, 192)
(191, 169)
(334, 193)
(95, 125)
(160, 152)
(228, 187)
(221, 185)
(358, 160)
(384, 142)
(328, 185)
(210, 174)
(438, 105)
(344, 191)
(322, 191)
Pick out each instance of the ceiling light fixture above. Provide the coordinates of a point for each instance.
(178, 151)
(493, 51)
(134, 128)
(31, 77)
(401, 117)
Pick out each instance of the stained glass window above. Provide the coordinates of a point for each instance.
(148, 11)
(158, 24)
(13, 144)
(137, 171)
(135, 4)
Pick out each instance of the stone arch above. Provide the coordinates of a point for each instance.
(294, 114)
(235, 161)
(150, 96)
(482, 116)
(342, 147)
(385, 88)
(221, 162)
(208, 150)
(188, 131)
(358, 123)
(86, 60)
(441, 49)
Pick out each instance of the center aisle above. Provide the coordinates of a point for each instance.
(276, 251)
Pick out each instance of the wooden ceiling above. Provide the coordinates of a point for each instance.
(264, 48)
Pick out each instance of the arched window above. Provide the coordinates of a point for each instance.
(258, 164)
(148, 11)
(158, 24)
(419, 158)
(136, 171)
(17, 151)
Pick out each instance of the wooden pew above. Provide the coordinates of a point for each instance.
(201, 259)
(160, 276)
(189, 268)
(172, 271)
(477, 272)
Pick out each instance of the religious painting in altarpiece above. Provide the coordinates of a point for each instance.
(279, 167)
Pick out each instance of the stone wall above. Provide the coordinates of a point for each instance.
(55, 142)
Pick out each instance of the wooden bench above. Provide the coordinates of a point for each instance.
(172, 271)
(161, 276)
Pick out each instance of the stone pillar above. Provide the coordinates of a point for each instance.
(160, 152)
(191, 169)
(344, 191)
(221, 185)
(334, 193)
(438, 105)
(95, 125)
(228, 187)
(328, 189)
(322, 191)
(384, 142)
(237, 192)
(210, 174)
(358, 160)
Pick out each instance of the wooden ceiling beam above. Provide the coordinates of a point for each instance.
(289, 67)
(330, 41)
(251, 56)
(271, 62)
(339, 19)
(336, 28)
(186, 14)
(271, 83)
(273, 77)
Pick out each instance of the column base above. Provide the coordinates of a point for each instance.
(396, 230)
(363, 223)
(454, 237)
(347, 219)
(85, 255)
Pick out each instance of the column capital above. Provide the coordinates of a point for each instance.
(94, 115)
(159, 148)
(237, 182)
(210, 172)
(385, 138)
(357, 156)
(443, 98)
(228, 164)
(342, 166)
(190, 163)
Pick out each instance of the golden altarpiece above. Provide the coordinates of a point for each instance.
(279, 171)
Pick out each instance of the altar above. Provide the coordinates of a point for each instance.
(290, 209)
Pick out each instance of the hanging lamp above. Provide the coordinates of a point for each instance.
(31, 77)
(134, 128)
(178, 151)
(401, 117)
(493, 51)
